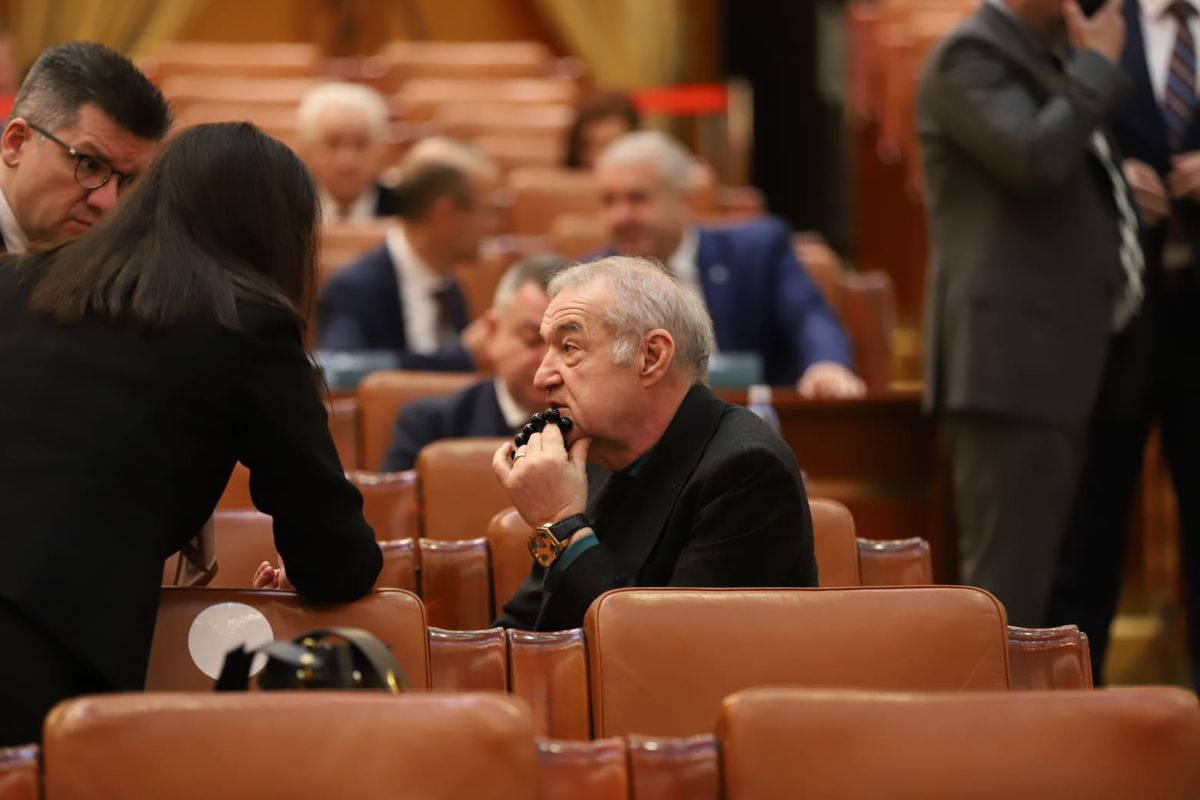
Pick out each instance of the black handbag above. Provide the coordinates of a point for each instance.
(333, 658)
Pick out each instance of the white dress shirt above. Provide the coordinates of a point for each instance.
(514, 416)
(1159, 29)
(361, 210)
(418, 281)
(15, 240)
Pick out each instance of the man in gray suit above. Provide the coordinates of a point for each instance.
(1035, 263)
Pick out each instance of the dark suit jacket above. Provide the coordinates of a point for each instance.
(717, 502)
(762, 301)
(1023, 223)
(360, 309)
(473, 411)
(117, 445)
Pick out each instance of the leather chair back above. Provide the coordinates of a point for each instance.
(508, 547)
(459, 492)
(548, 670)
(834, 543)
(1049, 658)
(381, 395)
(895, 562)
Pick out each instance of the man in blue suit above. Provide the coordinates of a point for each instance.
(756, 291)
(1153, 369)
(402, 297)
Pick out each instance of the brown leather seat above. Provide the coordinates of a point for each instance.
(577, 235)
(548, 670)
(400, 560)
(342, 243)
(230, 59)
(459, 491)
(660, 660)
(508, 546)
(397, 618)
(19, 778)
(381, 395)
(420, 98)
(407, 60)
(390, 503)
(895, 562)
(574, 770)
(364, 745)
(838, 745)
(456, 584)
(834, 543)
(1049, 658)
(469, 661)
(244, 539)
(541, 195)
(674, 767)
(867, 307)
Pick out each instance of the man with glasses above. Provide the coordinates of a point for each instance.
(85, 123)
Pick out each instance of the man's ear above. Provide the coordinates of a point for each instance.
(17, 134)
(442, 210)
(656, 356)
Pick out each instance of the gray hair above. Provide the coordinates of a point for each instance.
(675, 165)
(644, 297)
(343, 95)
(535, 269)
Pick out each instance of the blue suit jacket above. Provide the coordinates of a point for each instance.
(762, 301)
(360, 309)
(473, 411)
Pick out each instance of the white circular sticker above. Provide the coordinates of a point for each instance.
(222, 627)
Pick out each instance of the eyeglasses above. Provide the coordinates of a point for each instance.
(91, 172)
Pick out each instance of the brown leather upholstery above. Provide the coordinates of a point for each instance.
(456, 584)
(540, 195)
(517, 151)
(407, 60)
(469, 661)
(821, 264)
(574, 770)
(834, 543)
(395, 617)
(546, 123)
(381, 395)
(508, 545)
(19, 773)
(258, 59)
(867, 306)
(685, 767)
(895, 562)
(1102, 745)
(244, 539)
(342, 243)
(421, 97)
(364, 745)
(389, 503)
(459, 492)
(400, 559)
(548, 670)
(1049, 658)
(661, 659)
(577, 235)
(237, 491)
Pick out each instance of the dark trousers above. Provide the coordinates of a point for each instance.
(1014, 482)
(35, 673)
(1088, 581)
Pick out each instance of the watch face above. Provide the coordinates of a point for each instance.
(542, 546)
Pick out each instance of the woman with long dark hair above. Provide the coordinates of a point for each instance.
(137, 365)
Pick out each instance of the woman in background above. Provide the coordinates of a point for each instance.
(137, 365)
(599, 121)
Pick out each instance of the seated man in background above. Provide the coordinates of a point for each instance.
(84, 124)
(343, 131)
(402, 296)
(703, 492)
(498, 406)
(758, 294)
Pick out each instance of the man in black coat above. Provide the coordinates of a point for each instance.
(703, 493)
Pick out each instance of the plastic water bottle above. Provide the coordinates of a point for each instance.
(759, 404)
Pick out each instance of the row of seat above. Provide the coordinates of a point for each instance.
(653, 661)
(769, 743)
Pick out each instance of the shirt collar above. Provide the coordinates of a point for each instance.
(1158, 8)
(514, 415)
(362, 208)
(415, 274)
(15, 240)
(682, 262)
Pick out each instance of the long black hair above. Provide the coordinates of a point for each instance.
(225, 213)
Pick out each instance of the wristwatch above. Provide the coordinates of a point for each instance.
(548, 541)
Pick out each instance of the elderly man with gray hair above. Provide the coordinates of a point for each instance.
(702, 492)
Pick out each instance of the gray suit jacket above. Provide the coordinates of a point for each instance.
(1023, 223)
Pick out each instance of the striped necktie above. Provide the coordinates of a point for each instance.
(1180, 96)
(1129, 296)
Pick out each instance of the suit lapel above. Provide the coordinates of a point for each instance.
(716, 276)
(458, 308)
(488, 419)
(1145, 114)
(391, 305)
(635, 508)
(1012, 37)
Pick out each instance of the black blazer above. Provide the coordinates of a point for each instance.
(717, 502)
(473, 411)
(360, 309)
(117, 444)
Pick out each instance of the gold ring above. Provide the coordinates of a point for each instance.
(519, 454)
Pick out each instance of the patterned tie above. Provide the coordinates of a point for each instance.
(1180, 96)
(444, 328)
(1129, 297)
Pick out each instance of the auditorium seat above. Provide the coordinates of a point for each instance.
(674, 767)
(456, 584)
(237, 491)
(343, 426)
(508, 547)
(466, 121)
(660, 660)
(381, 395)
(895, 562)
(516, 151)
(577, 236)
(1114, 744)
(342, 243)
(469, 661)
(395, 617)
(541, 195)
(549, 671)
(459, 492)
(19, 778)
(420, 98)
(834, 543)
(406, 60)
(291, 744)
(1049, 658)
(591, 770)
(244, 539)
(389, 502)
(400, 565)
(236, 59)
(867, 307)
